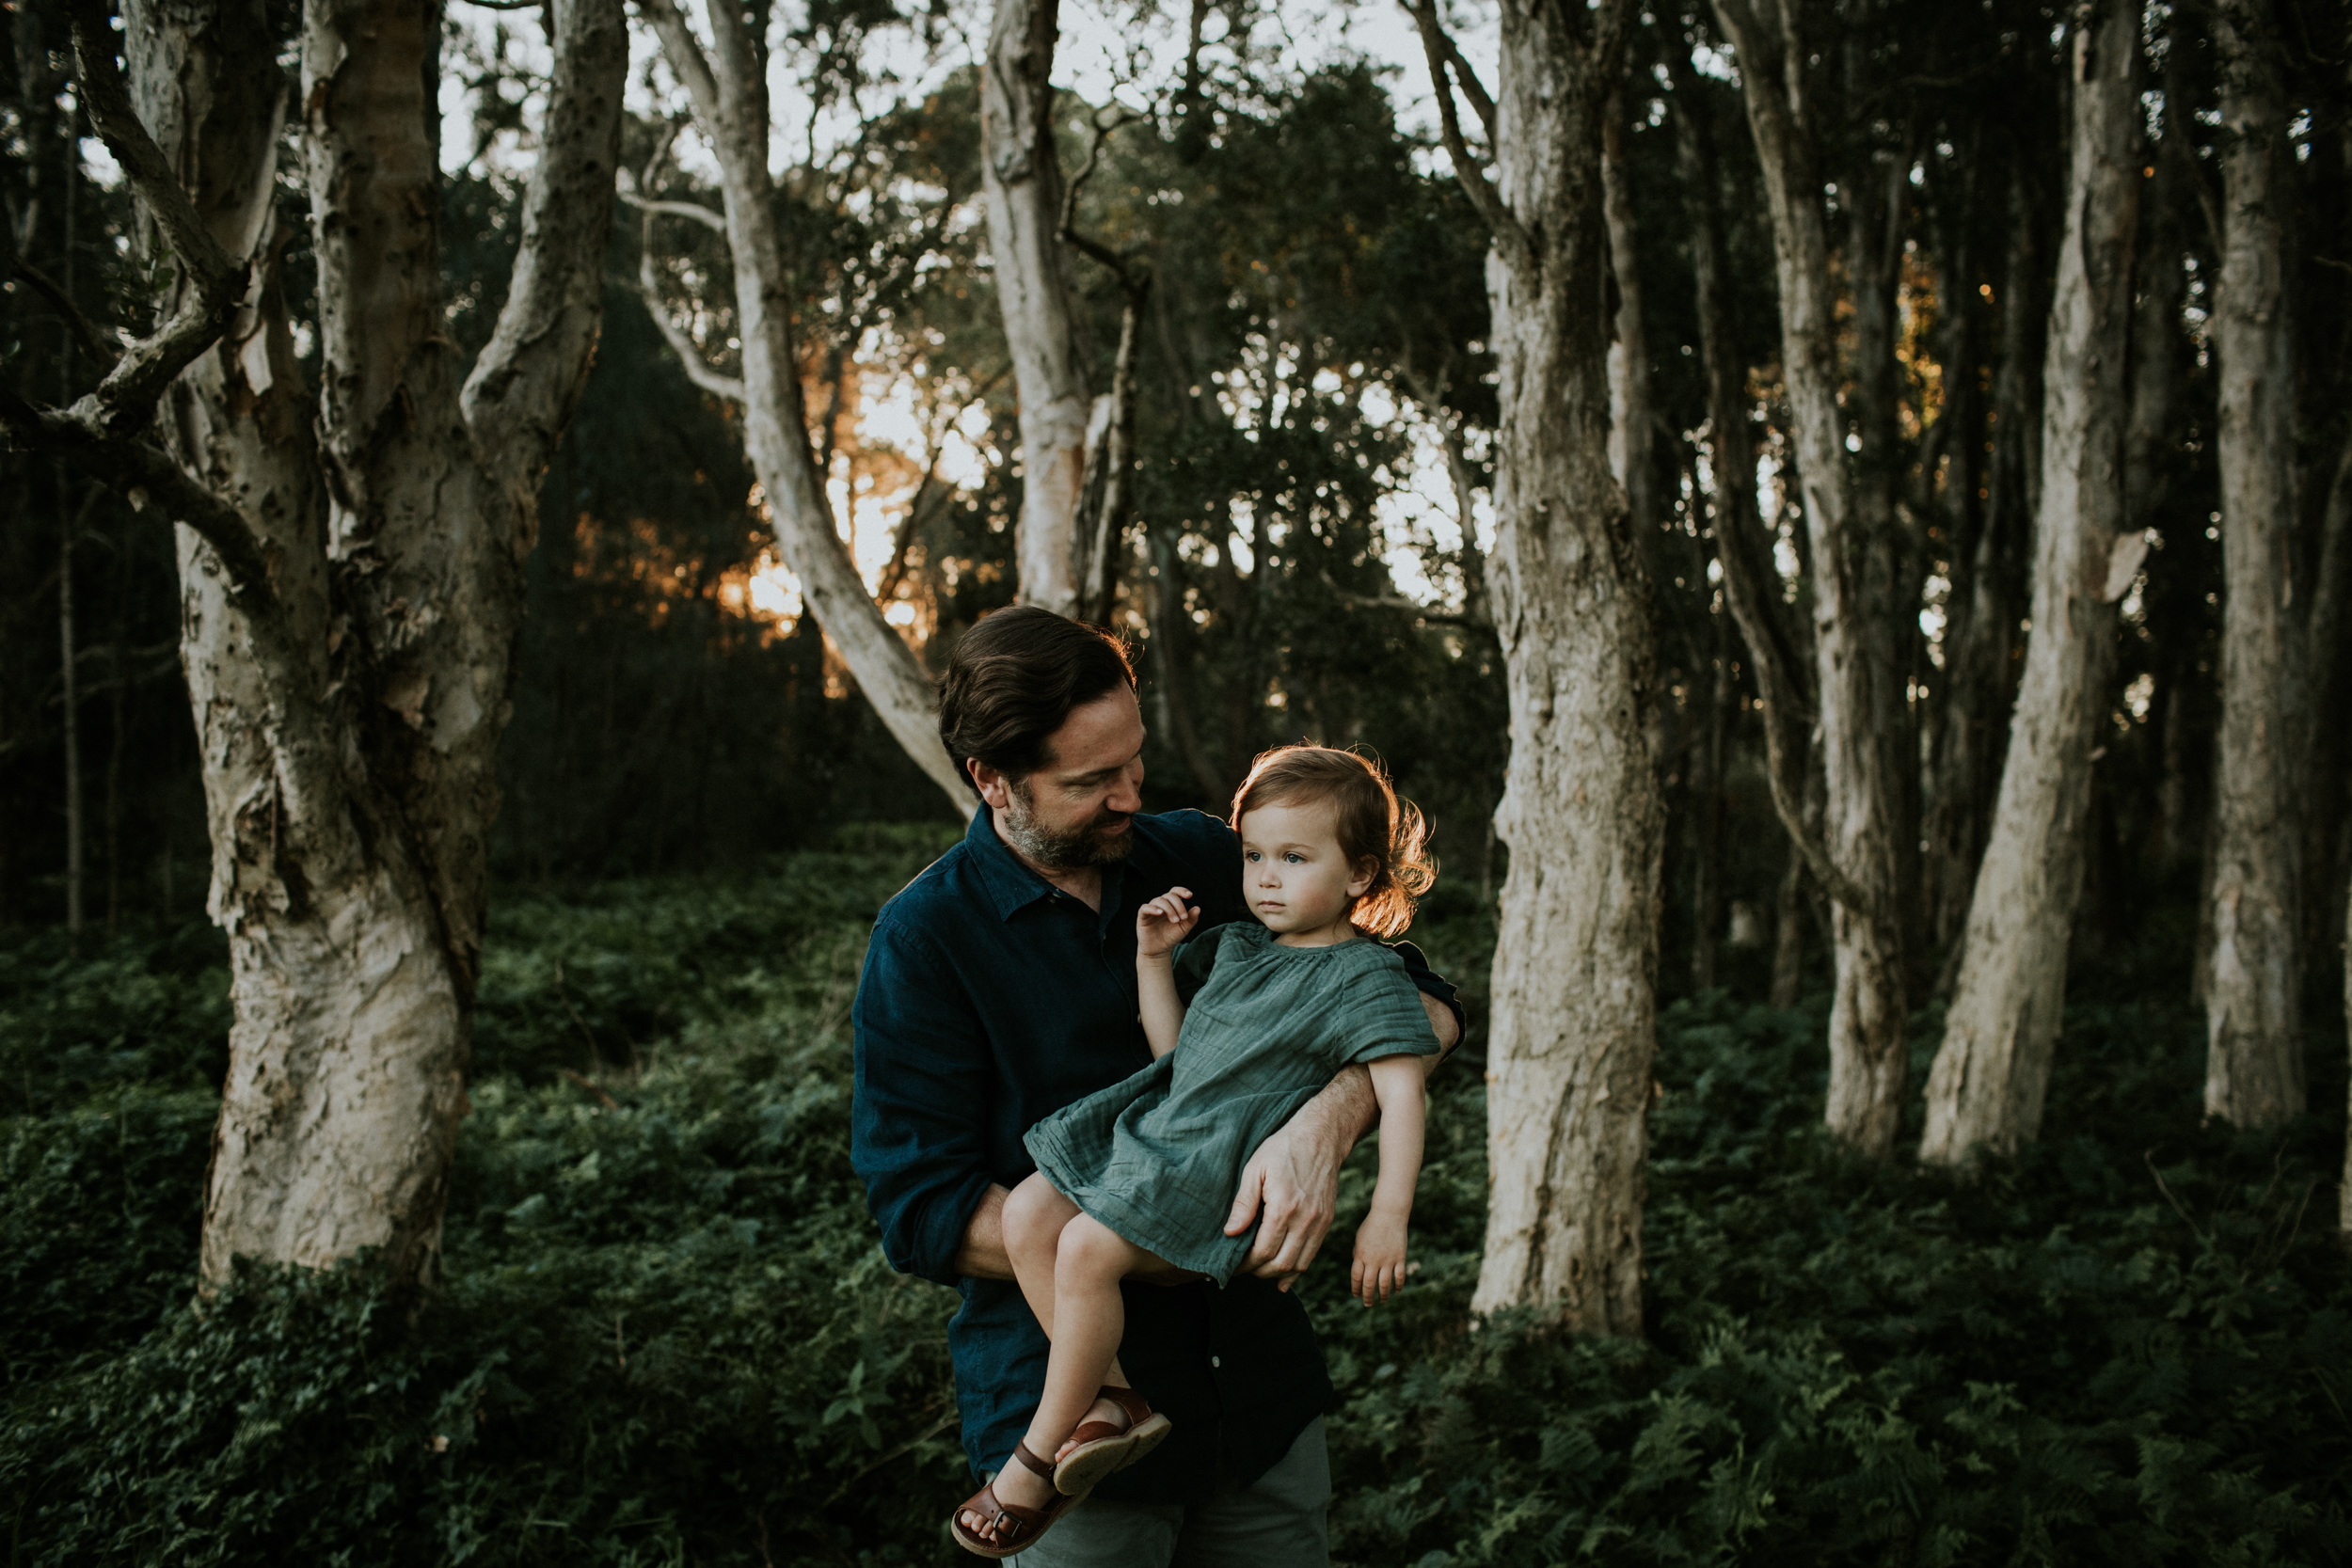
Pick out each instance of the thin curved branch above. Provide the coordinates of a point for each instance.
(1117, 261)
(693, 211)
(1472, 88)
(1509, 235)
(85, 330)
(126, 398)
(689, 354)
(147, 475)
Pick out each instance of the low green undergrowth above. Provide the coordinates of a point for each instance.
(668, 1335)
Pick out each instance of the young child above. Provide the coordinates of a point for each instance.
(1142, 1174)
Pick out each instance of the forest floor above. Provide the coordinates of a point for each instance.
(668, 1334)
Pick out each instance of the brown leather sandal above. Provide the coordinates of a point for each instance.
(1102, 1448)
(1017, 1528)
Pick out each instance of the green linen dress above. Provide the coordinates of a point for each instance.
(1157, 1157)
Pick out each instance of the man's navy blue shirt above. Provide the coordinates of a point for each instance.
(991, 999)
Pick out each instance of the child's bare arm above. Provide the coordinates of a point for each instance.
(1379, 1268)
(1160, 924)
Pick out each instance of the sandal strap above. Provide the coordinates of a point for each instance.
(1012, 1523)
(1138, 1408)
(1032, 1464)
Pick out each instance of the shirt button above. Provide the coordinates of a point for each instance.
(1216, 1361)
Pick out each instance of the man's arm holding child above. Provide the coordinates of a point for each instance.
(1294, 1175)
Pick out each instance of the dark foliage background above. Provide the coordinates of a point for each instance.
(669, 1333)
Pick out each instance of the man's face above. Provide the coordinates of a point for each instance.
(1074, 810)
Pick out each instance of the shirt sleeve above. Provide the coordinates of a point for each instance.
(1429, 983)
(918, 1118)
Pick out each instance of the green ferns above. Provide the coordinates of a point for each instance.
(668, 1335)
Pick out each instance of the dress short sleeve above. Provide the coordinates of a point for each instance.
(1383, 1014)
(1196, 959)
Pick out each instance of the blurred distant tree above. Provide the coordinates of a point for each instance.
(727, 85)
(1986, 1089)
(1843, 436)
(2254, 980)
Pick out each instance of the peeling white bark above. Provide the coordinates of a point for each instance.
(1985, 1092)
(1574, 1023)
(349, 617)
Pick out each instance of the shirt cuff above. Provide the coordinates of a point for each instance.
(938, 1236)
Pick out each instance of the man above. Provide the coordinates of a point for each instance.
(1000, 986)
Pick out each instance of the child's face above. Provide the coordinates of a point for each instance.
(1292, 873)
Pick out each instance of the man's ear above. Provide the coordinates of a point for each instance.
(995, 787)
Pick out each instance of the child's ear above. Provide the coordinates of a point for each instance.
(1367, 872)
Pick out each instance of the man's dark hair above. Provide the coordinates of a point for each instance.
(1013, 680)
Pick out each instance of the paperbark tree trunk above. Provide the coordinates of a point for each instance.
(729, 92)
(1575, 1011)
(2253, 982)
(1060, 423)
(349, 605)
(1859, 668)
(1987, 601)
(1985, 1092)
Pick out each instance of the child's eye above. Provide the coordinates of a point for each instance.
(1296, 859)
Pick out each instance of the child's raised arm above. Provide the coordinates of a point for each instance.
(1379, 1271)
(1160, 924)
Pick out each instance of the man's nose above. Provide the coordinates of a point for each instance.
(1126, 795)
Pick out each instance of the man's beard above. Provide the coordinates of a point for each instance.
(1063, 849)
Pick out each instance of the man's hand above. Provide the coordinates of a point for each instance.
(1295, 1177)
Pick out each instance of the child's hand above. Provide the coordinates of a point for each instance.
(1164, 922)
(1379, 1271)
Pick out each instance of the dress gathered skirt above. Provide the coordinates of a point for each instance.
(1157, 1157)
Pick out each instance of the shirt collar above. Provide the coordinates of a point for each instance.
(1012, 886)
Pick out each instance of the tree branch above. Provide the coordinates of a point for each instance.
(522, 389)
(145, 474)
(1497, 215)
(689, 354)
(84, 331)
(694, 211)
(1118, 260)
(684, 54)
(125, 401)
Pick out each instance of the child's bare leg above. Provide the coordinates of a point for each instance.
(1090, 1315)
(1036, 1219)
(1035, 1215)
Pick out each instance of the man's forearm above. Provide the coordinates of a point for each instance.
(1344, 1112)
(982, 1256)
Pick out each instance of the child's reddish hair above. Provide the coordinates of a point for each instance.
(1372, 824)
